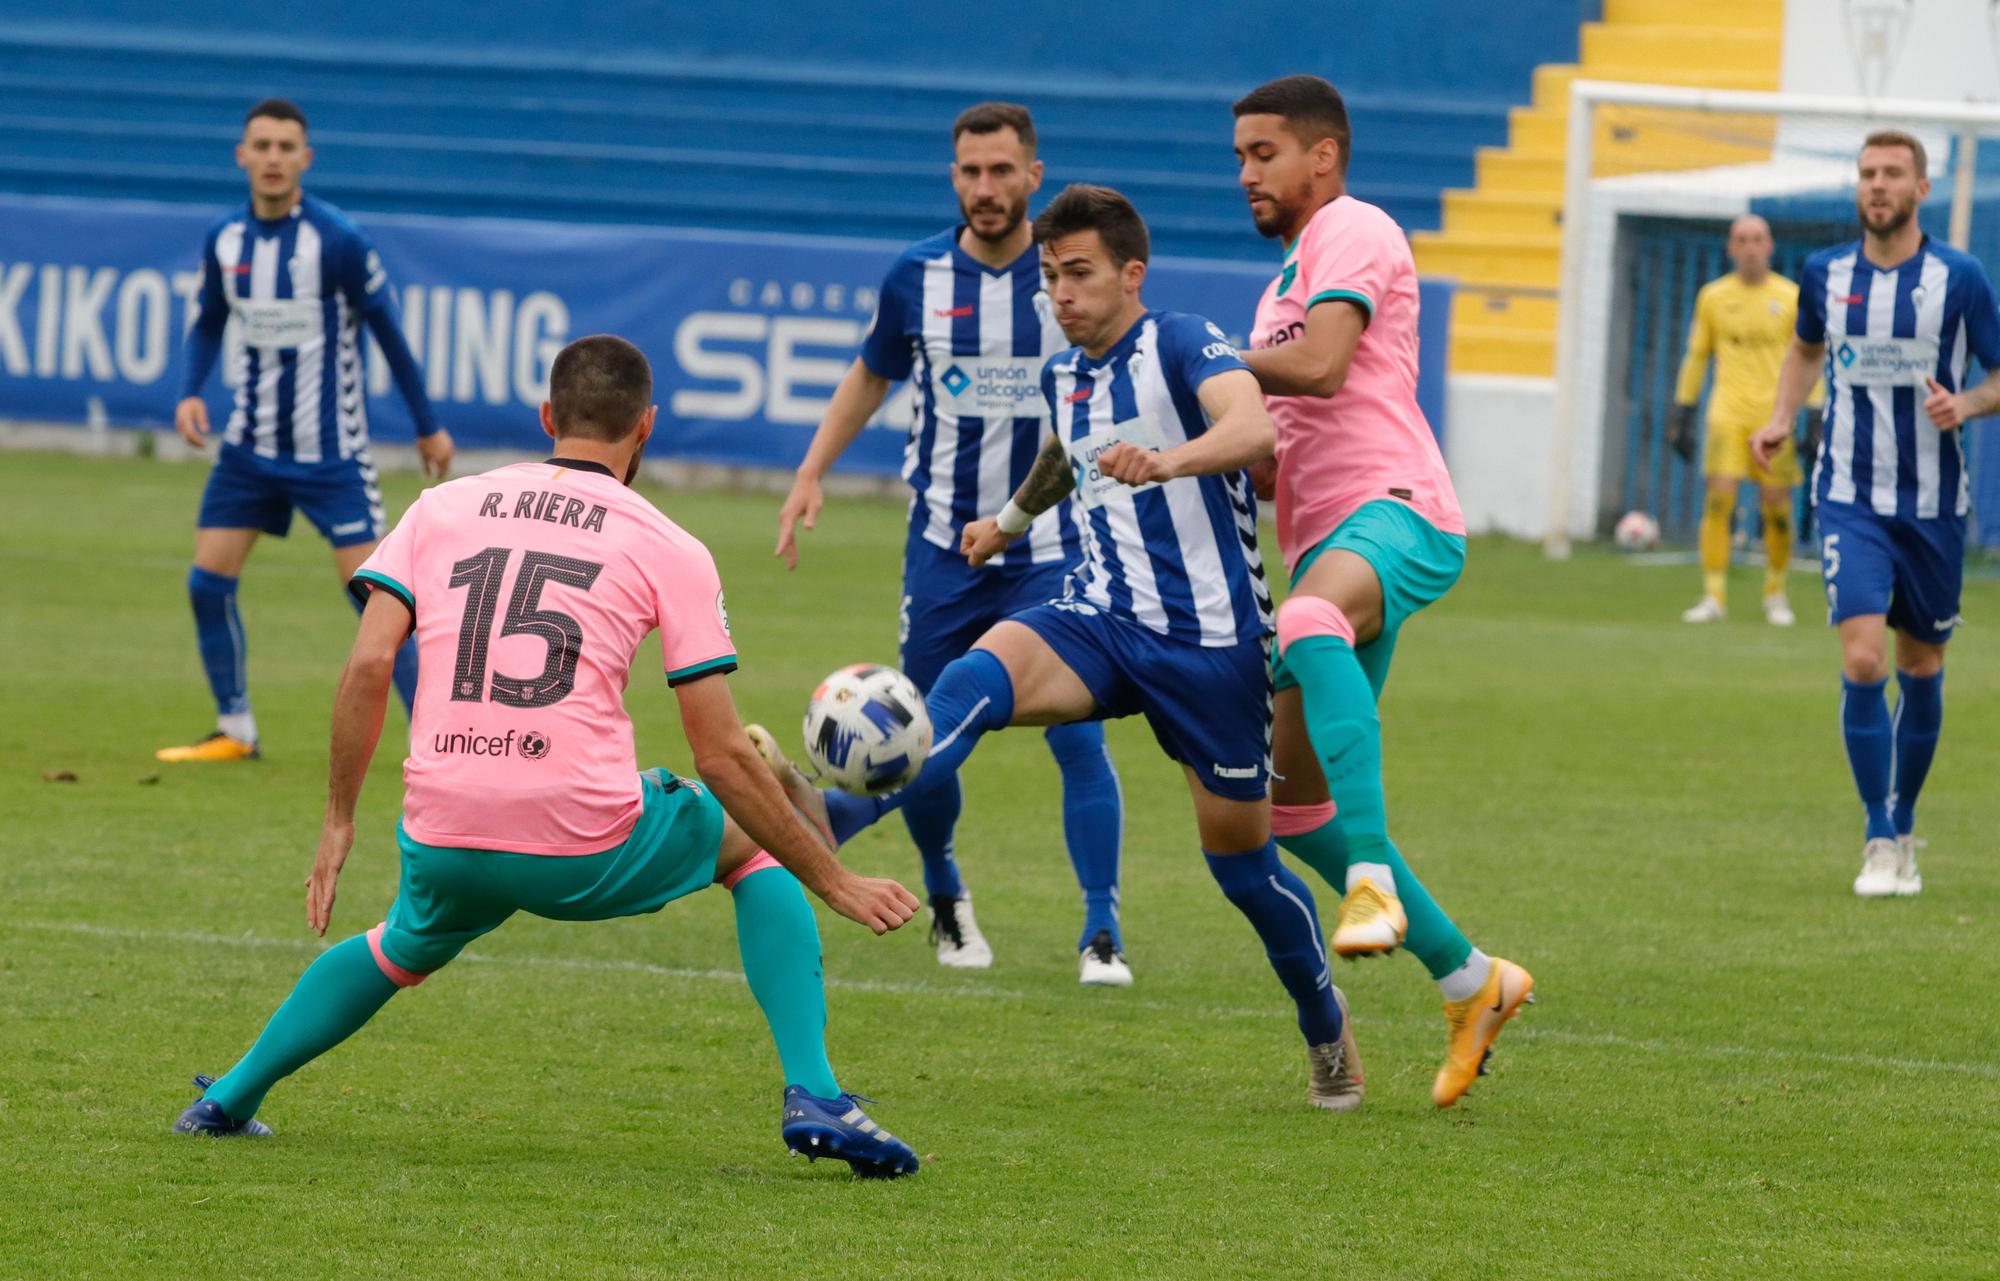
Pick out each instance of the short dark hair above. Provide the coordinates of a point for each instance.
(598, 388)
(1310, 106)
(1897, 138)
(992, 117)
(1082, 207)
(276, 109)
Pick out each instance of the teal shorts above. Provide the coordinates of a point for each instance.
(449, 897)
(1415, 561)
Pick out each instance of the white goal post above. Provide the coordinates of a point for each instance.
(1664, 153)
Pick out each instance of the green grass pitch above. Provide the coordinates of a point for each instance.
(1735, 1068)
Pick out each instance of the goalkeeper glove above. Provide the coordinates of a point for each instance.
(1680, 431)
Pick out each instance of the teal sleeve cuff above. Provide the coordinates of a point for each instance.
(366, 579)
(1359, 299)
(695, 671)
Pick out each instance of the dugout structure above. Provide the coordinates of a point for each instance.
(1654, 175)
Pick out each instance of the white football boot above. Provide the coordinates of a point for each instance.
(1909, 881)
(1878, 879)
(1102, 964)
(1706, 610)
(960, 945)
(1778, 610)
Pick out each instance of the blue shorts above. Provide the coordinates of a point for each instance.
(948, 604)
(341, 498)
(1210, 708)
(1906, 568)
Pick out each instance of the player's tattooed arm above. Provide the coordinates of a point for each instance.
(1048, 481)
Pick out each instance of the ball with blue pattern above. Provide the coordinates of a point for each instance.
(866, 729)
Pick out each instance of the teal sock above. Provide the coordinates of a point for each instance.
(1346, 734)
(339, 992)
(1324, 850)
(779, 940)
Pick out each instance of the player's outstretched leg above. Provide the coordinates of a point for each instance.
(779, 942)
(338, 993)
(218, 628)
(973, 695)
(1093, 830)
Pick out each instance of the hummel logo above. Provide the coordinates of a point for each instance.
(1077, 397)
(952, 313)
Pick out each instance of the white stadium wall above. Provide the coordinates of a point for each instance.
(1940, 50)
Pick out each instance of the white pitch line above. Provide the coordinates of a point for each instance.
(1520, 1031)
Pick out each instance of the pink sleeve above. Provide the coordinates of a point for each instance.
(1348, 258)
(694, 623)
(391, 566)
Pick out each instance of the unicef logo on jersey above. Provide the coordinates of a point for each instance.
(534, 746)
(955, 380)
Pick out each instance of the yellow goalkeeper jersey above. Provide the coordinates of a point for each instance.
(1747, 328)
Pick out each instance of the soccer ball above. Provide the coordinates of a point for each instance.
(1636, 532)
(866, 729)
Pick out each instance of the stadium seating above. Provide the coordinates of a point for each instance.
(1502, 238)
(92, 109)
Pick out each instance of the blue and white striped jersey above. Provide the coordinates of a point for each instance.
(1886, 331)
(974, 340)
(299, 287)
(1180, 558)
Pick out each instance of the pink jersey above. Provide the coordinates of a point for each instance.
(1369, 440)
(533, 586)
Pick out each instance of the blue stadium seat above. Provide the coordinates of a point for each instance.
(790, 149)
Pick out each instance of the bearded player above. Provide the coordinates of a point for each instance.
(528, 590)
(1892, 317)
(963, 316)
(1370, 530)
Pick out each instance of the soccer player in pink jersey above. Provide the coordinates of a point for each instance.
(529, 589)
(1371, 533)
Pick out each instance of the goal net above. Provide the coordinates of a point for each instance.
(1655, 174)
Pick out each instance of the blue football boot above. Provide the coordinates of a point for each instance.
(204, 1117)
(837, 1127)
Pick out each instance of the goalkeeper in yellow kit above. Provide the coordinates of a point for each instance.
(1743, 319)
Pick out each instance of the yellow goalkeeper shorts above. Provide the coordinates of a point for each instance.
(1727, 453)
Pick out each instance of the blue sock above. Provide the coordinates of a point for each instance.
(972, 695)
(1281, 908)
(1093, 822)
(1918, 717)
(932, 817)
(1864, 719)
(218, 628)
(406, 663)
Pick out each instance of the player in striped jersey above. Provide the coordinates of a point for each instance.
(963, 315)
(1168, 617)
(1892, 317)
(299, 279)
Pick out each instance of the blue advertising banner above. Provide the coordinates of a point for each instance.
(748, 334)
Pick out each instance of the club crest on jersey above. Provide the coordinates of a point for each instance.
(1285, 281)
(1044, 309)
